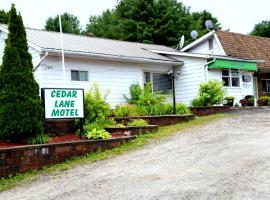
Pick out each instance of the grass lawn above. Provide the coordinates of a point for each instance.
(140, 141)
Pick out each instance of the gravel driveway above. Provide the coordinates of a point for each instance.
(225, 159)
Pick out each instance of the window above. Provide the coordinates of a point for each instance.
(79, 75)
(265, 85)
(210, 44)
(160, 82)
(231, 77)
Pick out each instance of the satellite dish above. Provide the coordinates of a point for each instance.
(209, 24)
(182, 42)
(194, 34)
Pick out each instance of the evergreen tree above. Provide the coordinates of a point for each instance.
(3, 17)
(21, 111)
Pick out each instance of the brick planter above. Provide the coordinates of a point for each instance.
(25, 158)
(133, 130)
(161, 120)
(209, 110)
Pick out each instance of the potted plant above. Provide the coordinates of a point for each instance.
(250, 102)
(229, 101)
(243, 102)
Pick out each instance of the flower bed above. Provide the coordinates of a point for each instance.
(132, 130)
(160, 120)
(209, 110)
(28, 157)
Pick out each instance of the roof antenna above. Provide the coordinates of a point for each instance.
(209, 25)
(181, 43)
(194, 34)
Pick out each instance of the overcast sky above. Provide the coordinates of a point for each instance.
(236, 15)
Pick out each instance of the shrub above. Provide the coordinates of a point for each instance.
(137, 122)
(129, 110)
(263, 101)
(40, 139)
(135, 91)
(97, 134)
(21, 110)
(244, 102)
(197, 102)
(96, 108)
(180, 109)
(210, 93)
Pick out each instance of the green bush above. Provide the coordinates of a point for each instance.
(197, 102)
(137, 122)
(129, 110)
(96, 133)
(21, 110)
(96, 108)
(181, 108)
(135, 91)
(40, 139)
(210, 93)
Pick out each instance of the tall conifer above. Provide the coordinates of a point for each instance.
(21, 111)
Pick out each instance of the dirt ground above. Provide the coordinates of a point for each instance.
(225, 159)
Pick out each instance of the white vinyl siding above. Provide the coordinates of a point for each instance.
(203, 48)
(113, 76)
(191, 76)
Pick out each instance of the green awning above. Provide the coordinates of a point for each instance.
(232, 64)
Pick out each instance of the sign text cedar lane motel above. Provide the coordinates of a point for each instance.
(63, 103)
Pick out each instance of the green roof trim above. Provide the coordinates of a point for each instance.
(233, 64)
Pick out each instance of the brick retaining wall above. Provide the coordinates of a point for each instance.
(25, 158)
(160, 120)
(209, 110)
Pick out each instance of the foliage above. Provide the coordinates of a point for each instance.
(129, 110)
(70, 24)
(96, 108)
(262, 29)
(210, 93)
(229, 98)
(96, 133)
(21, 110)
(180, 109)
(135, 91)
(152, 21)
(243, 102)
(198, 102)
(3, 17)
(40, 139)
(137, 122)
(263, 101)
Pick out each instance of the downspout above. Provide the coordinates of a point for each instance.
(206, 65)
(41, 60)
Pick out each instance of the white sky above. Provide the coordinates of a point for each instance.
(236, 15)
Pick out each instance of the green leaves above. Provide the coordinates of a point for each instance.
(262, 29)
(210, 93)
(70, 24)
(149, 21)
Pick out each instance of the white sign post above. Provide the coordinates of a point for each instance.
(63, 103)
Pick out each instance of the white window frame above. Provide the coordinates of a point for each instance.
(79, 71)
(265, 79)
(151, 78)
(230, 76)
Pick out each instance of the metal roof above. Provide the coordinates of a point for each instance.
(99, 46)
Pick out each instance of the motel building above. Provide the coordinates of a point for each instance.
(241, 61)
